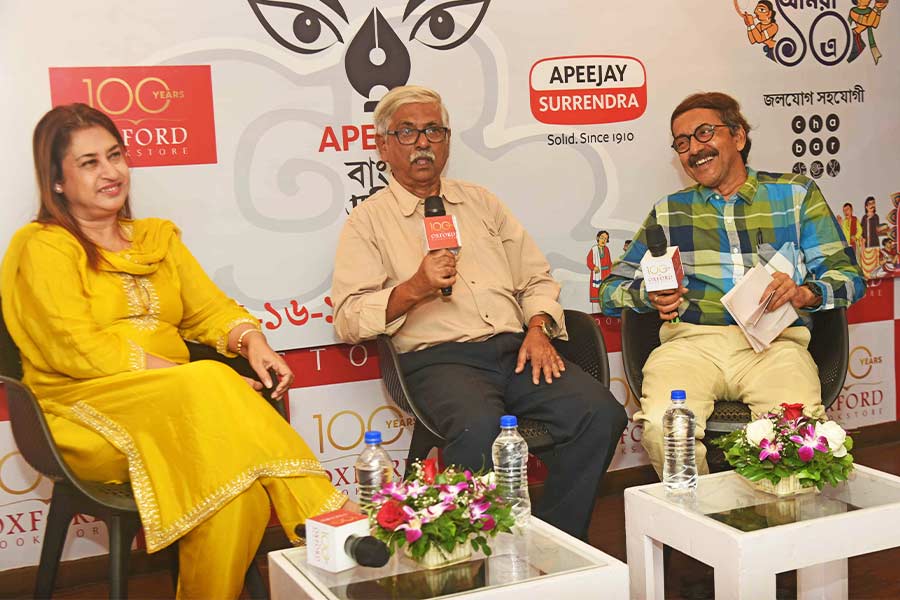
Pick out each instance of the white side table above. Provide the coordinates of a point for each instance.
(748, 536)
(541, 562)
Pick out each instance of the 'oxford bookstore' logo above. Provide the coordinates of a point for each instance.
(165, 114)
(588, 90)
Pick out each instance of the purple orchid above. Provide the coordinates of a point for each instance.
(489, 523)
(394, 490)
(809, 443)
(770, 450)
(412, 530)
(478, 508)
(450, 492)
(416, 488)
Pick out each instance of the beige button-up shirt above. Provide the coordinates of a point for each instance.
(502, 279)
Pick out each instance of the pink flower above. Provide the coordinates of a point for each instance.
(489, 523)
(478, 508)
(809, 443)
(770, 450)
(415, 489)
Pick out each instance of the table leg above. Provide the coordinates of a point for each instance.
(739, 583)
(645, 567)
(826, 581)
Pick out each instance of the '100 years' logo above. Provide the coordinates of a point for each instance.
(165, 114)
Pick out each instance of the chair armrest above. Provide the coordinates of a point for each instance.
(829, 346)
(640, 337)
(395, 383)
(31, 432)
(585, 346)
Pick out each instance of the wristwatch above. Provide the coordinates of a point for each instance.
(545, 328)
(817, 292)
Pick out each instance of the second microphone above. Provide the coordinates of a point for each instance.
(441, 231)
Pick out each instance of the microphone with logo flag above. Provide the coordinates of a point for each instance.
(441, 231)
(661, 265)
(340, 540)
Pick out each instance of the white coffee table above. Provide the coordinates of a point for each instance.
(813, 533)
(540, 562)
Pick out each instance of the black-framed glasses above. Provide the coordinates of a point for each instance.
(703, 133)
(410, 135)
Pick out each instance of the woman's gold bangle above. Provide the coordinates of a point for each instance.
(240, 342)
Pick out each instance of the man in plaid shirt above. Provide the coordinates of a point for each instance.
(721, 225)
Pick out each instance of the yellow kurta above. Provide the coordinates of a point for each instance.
(195, 435)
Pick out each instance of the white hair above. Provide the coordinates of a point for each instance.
(405, 94)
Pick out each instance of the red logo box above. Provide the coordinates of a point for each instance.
(876, 305)
(165, 114)
(588, 90)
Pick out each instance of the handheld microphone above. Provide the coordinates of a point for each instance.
(661, 264)
(340, 540)
(441, 230)
(367, 550)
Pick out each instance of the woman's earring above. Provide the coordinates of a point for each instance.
(57, 188)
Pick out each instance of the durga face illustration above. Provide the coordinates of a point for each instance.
(377, 59)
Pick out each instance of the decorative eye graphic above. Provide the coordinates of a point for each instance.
(449, 24)
(296, 26)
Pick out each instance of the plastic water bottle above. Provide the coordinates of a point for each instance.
(510, 454)
(374, 468)
(680, 466)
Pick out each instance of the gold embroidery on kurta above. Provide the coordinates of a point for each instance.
(158, 535)
(143, 301)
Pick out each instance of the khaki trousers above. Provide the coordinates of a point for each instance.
(717, 363)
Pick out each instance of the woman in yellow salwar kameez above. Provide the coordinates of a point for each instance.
(98, 305)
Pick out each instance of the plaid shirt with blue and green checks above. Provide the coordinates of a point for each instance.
(718, 240)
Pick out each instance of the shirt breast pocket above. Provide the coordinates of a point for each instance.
(490, 257)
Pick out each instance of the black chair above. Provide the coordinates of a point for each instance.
(112, 503)
(585, 347)
(829, 346)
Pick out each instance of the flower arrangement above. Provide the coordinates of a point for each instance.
(434, 510)
(784, 442)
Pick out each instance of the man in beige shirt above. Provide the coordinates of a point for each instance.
(468, 357)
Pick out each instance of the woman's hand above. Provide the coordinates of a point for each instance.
(262, 358)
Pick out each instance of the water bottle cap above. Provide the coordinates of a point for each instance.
(373, 437)
(678, 395)
(509, 421)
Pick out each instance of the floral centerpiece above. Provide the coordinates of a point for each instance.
(439, 517)
(785, 451)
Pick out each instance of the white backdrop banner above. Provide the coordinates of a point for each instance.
(250, 125)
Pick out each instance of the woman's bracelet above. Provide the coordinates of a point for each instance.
(240, 342)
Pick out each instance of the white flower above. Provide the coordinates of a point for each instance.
(759, 430)
(835, 435)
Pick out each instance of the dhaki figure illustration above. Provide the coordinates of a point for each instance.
(761, 26)
(870, 251)
(851, 228)
(864, 18)
(599, 261)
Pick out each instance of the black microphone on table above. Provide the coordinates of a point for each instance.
(367, 550)
(340, 540)
(440, 232)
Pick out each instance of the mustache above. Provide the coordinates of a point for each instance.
(692, 161)
(421, 154)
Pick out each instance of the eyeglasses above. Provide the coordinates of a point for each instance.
(410, 135)
(703, 133)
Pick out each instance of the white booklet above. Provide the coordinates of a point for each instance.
(743, 302)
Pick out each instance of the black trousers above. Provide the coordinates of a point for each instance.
(466, 387)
